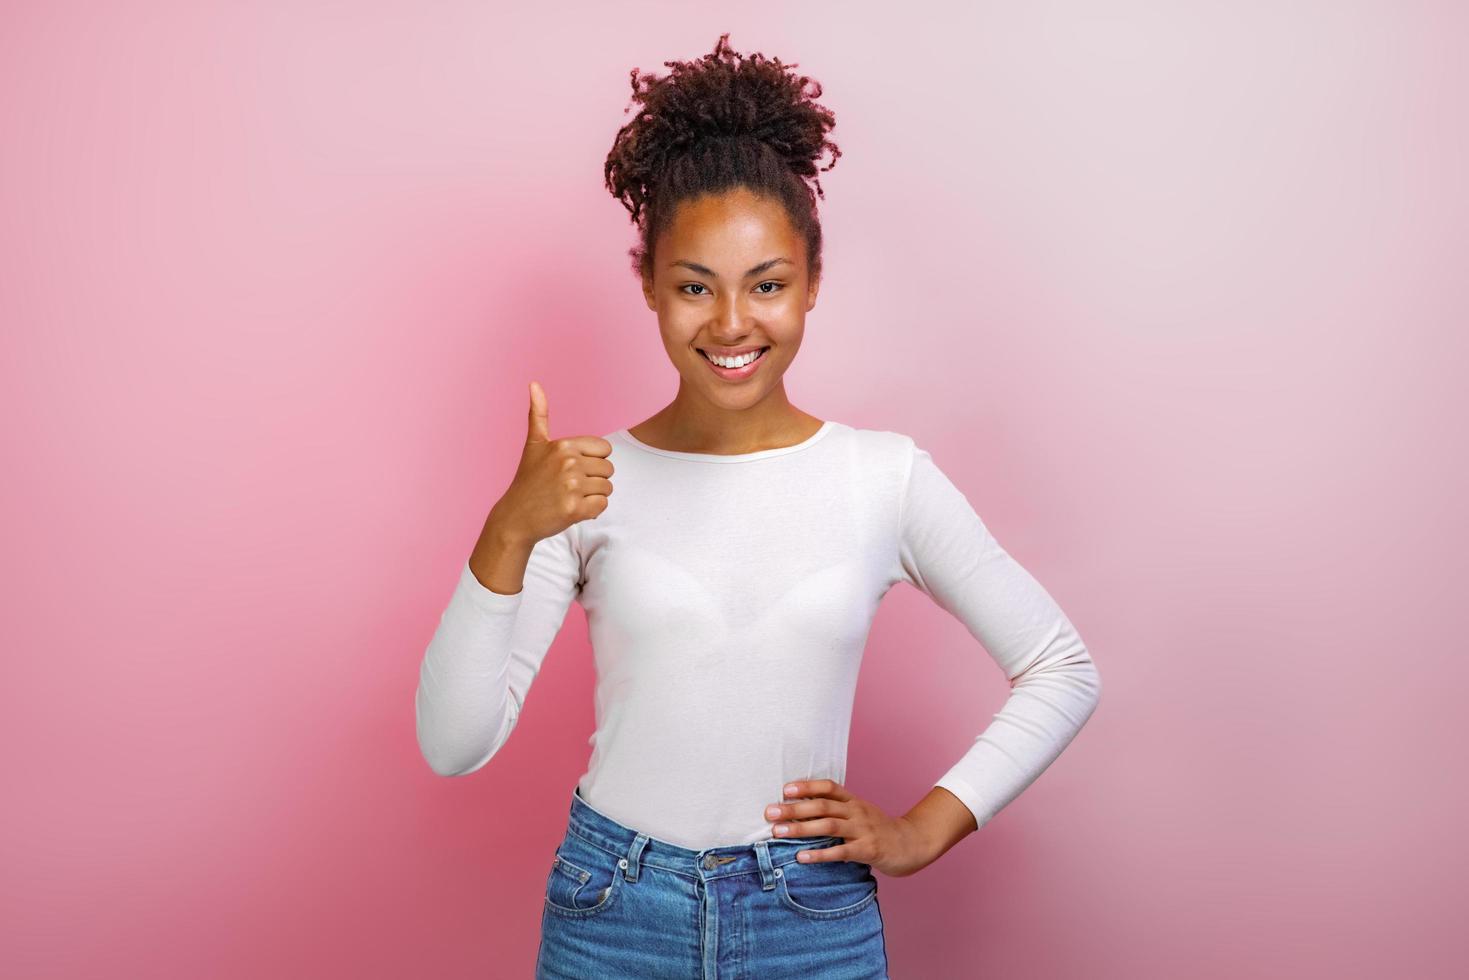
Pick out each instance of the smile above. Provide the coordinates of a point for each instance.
(735, 368)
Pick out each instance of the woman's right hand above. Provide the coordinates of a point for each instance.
(558, 483)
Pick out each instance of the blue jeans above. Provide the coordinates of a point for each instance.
(620, 903)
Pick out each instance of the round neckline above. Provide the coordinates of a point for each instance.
(811, 440)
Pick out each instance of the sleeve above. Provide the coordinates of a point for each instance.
(485, 653)
(946, 551)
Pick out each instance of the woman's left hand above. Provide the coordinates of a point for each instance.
(892, 845)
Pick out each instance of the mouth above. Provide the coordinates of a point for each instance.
(737, 373)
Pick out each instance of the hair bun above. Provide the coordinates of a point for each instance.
(715, 107)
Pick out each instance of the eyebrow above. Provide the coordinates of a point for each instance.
(752, 271)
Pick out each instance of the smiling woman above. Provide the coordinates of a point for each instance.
(729, 587)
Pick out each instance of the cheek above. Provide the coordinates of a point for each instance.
(677, 328)
(787, 331)
(680, 322)
(680, 343)
(789, 316)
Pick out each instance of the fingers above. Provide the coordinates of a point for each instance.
(590, 485)
(596, 465)
(585, 446)
(590, 446)
(821, 787)
(824, 825)
(593, 504)
(837, 852)
(806, 810)
(538, 428)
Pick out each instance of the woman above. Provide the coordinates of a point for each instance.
(729, 587)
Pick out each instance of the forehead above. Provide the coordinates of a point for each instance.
(730, 226)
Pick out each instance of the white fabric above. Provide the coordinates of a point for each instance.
(728, 602)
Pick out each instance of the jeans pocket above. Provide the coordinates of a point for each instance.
(826, 889)
(583, 880)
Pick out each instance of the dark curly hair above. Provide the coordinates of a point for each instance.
(721, 121)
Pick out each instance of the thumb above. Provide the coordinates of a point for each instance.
(539, 425)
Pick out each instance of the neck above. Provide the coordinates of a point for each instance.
(686, 425)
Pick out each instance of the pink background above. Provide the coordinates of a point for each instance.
(1175, 292)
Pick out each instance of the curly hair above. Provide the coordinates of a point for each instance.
(721, 121)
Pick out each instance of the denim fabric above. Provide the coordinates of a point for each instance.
(620, 903)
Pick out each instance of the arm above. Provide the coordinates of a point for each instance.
(946, 551)
(487, 650)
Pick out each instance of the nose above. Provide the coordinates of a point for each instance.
(730, 323)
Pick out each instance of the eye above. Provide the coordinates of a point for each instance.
(771, 282)
(695, 285)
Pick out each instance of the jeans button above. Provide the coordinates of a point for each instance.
(709, 862)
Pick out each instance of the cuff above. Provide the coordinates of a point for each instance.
(472, 591)
(968, 796)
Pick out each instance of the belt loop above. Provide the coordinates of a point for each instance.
(767, 871)
(634, 859)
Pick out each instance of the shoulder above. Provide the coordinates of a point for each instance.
(882, 458)
(881, 446)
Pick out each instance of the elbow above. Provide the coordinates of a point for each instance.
(1078, 672)
(1082, 668)
(441, 760)
(457, 743)
(451, 751)
(451, 763)
(441, 763)
(1091, 678)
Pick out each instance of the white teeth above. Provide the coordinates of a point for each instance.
(734, 362)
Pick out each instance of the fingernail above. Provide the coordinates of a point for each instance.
(791, 789)
(772, 812)
(780, 828)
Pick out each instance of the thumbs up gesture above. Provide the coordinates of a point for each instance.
(558, 483)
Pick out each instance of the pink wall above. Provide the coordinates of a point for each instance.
(1177, 296)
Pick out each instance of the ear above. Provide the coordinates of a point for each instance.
(811, 292)
(648, 292)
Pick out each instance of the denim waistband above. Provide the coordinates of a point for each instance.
(638, 849)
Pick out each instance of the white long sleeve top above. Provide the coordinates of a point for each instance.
(728, 602)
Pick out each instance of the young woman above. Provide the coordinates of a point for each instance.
(729, 585)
